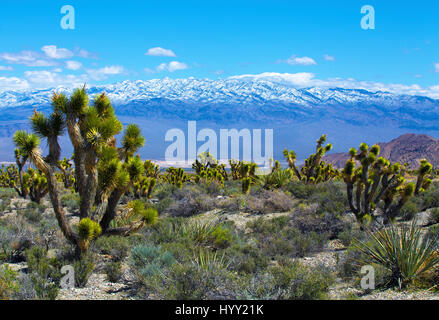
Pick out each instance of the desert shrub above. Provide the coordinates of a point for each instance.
(15, 238)
(83, 267)
(409, 210)
(330, 197)
(9, 283)
(349, 234)
(403, 251)
(71, 201)
(44, 273)
(434, 216)
(300, 190)
(276, 237)
(221, 237)
(113, 270)
(164, 190)
(191, 281)
(327, 223)
(116, 246)
(34, 212)
(232, 188)
(266, 201)
(26, 288)
(247, 258)
(149, 260)
(290, 282)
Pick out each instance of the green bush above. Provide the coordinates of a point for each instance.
(71, 201)
(9, 283)
(221, 237)
(113, 270)
(409, 210)
(149, 260)
(290, 282)
(434, 216)
(83, 269)
(276, 237)
(45, 273)
(116, 246)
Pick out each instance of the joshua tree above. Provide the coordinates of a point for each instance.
(67, 174)
(103, 172)
(176, 176)
(314, 170)
(376, 180)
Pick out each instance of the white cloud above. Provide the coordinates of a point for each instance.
(45, 79)
(53, 52)
(171, 67)
(4, 68)
(105, 72)
(13, 83)
(306, 80)
(299, 61)
(82, 53)
(436, 67)
(27, 58)
(327, 57)
(73, 65)
(160, 52)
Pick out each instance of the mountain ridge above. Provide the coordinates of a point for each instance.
(408, 148)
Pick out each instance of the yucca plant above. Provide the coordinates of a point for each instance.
(403, 251)
(209, 260)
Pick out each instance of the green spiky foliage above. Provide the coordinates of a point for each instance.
(244, 171)
(28, 142)
(209, 170)
(248, 176)
(246, 185)
(8, 176)
(88, 230)
(35, 184)
(176, 176)
(136, 211)
(67, 174)
(314, 170)
(235, 168)
(404, 251)
(376, 181)
(278, 177)
(103, 172)
(145, 184)
(152, 170)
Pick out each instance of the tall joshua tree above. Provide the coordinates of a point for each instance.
(103, 172)
(376, 180)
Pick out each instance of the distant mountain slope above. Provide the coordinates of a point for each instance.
(237, 100)
(408, 148)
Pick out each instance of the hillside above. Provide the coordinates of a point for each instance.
(408, 148)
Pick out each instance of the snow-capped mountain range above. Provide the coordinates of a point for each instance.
(225, 91)
(243, 100)
(297, 115)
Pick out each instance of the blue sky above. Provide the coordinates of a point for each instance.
(313, 42)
